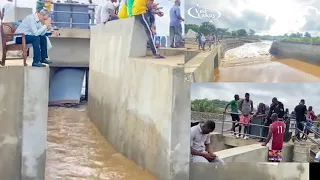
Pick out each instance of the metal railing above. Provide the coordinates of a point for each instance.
(314, 129)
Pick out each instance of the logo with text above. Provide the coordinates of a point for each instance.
(202, 13)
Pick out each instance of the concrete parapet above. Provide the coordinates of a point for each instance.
(201, 67)
(228, 44)
(304, 52)
(250, 171)
(140, 106)
(23, 115)
(71, 48)
(231, 149)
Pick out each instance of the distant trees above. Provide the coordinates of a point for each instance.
(252, 32)
(193, 27)
(307, 35)
(242, 33)
(206, 105)
(234, 33)
(207, 28)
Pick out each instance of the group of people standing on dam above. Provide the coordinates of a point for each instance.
(38, 26)
(275, 121)
(210, 40)
(275, 125)
(144, 11)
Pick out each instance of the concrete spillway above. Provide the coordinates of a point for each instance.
(65, 85)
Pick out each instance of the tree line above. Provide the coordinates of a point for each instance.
(207, 28)
(206, 105)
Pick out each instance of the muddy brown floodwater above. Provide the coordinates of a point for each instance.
(253, 63)
(77, 151)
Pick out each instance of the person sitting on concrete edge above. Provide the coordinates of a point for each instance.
(108, 11)
(139, 11)
(175, 25)
(276, 133)
(200, 143)
(34, 27)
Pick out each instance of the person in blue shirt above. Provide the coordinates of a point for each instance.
(34, 27)
(175, 25)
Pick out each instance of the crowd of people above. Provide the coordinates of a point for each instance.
(38, 26)
(145, 12)
(275, 120)
(210, 40)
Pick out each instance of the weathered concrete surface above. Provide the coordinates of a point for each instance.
(250, 171)
(231, 149)
(303, 52)
(201, 67)
(23, 113)
(34, 127)
(189, 54)
(253, 153)
(141, 106)
(11, 116)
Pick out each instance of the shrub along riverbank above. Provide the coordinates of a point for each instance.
(303, 40)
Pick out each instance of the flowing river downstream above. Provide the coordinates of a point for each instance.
(253, 63)
(77, 151)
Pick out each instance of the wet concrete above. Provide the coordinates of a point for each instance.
(253, 63)
(76, 150)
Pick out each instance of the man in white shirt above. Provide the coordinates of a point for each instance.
(108, 11)
(6, 8)
(34, 27)
(200, 143)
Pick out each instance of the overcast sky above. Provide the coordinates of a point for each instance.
(274, 17)
(288, 93)
(162, 23)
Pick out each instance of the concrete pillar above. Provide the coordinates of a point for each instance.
(23, 115)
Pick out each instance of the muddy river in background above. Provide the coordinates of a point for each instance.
(253, 63)
(77, 151)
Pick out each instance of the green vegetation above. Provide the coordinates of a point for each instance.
(303, 40)
(206, 105)
(207, 28)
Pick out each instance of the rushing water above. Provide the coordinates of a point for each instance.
(253, 63)
(77, 151)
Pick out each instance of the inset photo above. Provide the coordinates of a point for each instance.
(252, 41)
(255, 122)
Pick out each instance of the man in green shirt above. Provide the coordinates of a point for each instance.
(234, 113)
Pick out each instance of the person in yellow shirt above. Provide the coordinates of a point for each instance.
(123, 12)
(140, 12)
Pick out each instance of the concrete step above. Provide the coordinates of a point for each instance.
(168, 51)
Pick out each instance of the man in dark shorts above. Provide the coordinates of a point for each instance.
(300, 111)
(234, 113)
(276, 134)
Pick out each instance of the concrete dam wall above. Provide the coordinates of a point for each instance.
(141, 107)
(304, 52)
(227, 44)
(23, 115)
